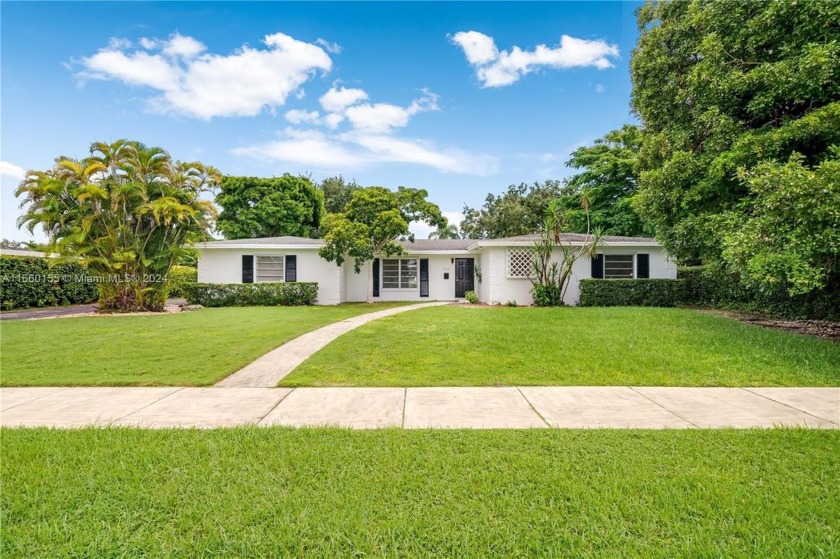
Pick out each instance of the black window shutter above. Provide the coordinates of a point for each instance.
(376, 277)
(642, 265)
(291, 268)
(247, 268)
(424, 277)
(598, 266)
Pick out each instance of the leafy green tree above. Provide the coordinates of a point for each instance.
(601, 194)
(445, 231)
(126, 213)
(518, 211)
(337, 193)
(733, 96)
(374, 222)
(269, 207)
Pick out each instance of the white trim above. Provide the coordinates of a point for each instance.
(489, 243)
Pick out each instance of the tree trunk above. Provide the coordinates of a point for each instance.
(370, 282)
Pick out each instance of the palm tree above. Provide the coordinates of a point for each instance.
(125, 212)
(445, 231)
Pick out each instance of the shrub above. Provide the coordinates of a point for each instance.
(251, 294)
(631, 292)
(177, 277)
(31, 282)
(471, 297)
(547, 295)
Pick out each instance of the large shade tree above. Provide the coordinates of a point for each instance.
(269, 207)
(740, 103)
(518, 211)
(126, 212)
(373, 223)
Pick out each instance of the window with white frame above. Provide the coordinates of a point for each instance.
(399, 273)
(520, 262)
(270, 268)
(618, 266)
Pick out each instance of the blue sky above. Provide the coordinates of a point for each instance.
(461, 99)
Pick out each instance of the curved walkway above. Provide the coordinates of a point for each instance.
(269, 369)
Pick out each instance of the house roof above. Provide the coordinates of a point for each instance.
(572, 238)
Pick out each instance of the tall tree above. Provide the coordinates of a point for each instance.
(374, 222)
(269, 207)
(518, 211)
(337, 193)
(601, 193)
(126, 212)
(740, 100)
(445, 231)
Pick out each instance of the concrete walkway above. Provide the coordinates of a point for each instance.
(269, 369)
(503, 407)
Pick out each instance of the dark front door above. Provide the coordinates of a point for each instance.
(464, 276)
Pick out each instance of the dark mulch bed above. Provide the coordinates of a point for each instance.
(816, 328)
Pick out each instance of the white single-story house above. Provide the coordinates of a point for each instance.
(498, 270)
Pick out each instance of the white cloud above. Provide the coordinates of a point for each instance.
(332, 48)
(180, 45)
(337, 100)
(496, 68)
(204, 85)
(599, 88)
(358, 149)
(298, 116)
(383, 117)
(11, 170)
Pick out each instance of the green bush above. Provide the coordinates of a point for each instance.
(547, 295)
(471, 297)
(713, 286)
(251, 294)
(177, 277)
(631, 292)
(31, 282)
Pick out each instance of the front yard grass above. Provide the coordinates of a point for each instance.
(458, 346)
(184, 349)
(273, 492)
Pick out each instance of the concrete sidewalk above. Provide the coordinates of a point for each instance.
(503, 407)
(269, 369)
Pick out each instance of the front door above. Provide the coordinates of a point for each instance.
(464, 276)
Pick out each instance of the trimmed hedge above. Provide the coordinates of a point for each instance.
(631, 292)
(251, 294)
(178, 277)
(30, 282)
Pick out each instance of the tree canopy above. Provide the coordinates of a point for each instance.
(337, 193)
(269, 207)
(740, 103)
(518, 211)
(372, 224)
(601, 194)
(125, 212)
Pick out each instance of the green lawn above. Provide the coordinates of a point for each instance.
(457, 346)
(329, 493)
(194, 348)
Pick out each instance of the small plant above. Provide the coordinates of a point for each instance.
(511, 304)
(471, 297)
(477, 272)
(547, 295)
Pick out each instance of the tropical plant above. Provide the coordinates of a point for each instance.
(551, 278)
(269, 207)
(445, 231)
(471, 297)
(125, 213)
(374, 221)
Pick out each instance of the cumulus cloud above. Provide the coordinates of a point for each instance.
(298, 116)
(332, 48)
(337, 99)
(495, 68)
(199, 84)
(11, 170)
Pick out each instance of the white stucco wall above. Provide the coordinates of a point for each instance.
(440, 289)
(225, 266)
(500, 289)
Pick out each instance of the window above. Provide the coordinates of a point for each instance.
(399, 273)
(270, 268)
(618, 266)
(520, 263)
